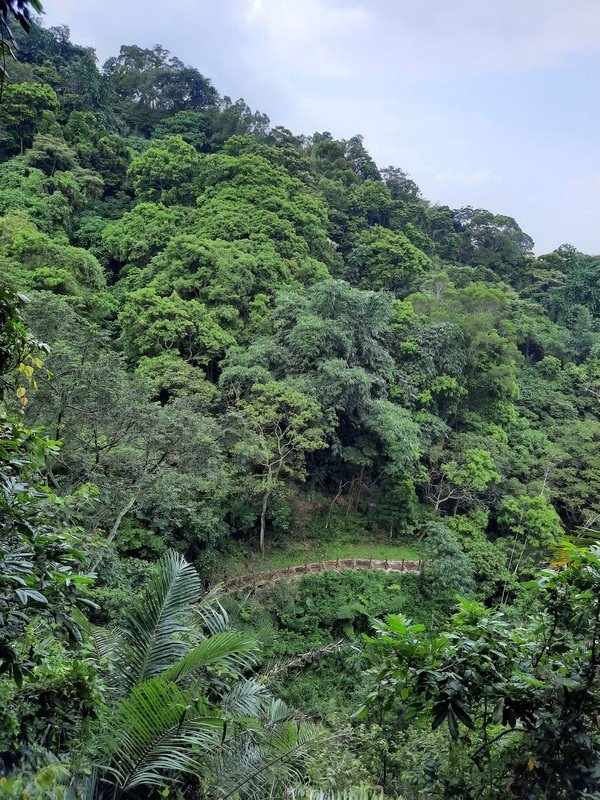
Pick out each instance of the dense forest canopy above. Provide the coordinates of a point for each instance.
(218, 340)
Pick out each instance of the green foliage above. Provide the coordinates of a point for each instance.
(279, 426)
(182, 706)
(318, 608)
(151, 84)
(14, 341)
(152, 324)
(192, 126)
(235, 118)
(26, 253)
(49, 154)
(166, 172)
(20, 12)
(517, 699)
(26, 109)
(450, 575)
(27, 190)
(142, 232)
(255, 335)
(46, 688)
(535, 528)
(247, 197)
(386, 260)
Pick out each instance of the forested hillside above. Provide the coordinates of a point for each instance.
(224, 346)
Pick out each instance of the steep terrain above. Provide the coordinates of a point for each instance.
(263, 343)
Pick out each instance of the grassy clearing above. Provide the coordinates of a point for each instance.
(319, 532)
(308, 552)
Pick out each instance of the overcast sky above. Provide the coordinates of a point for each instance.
(489, 103)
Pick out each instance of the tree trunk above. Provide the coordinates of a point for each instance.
(117, 523)
(350, 496)
(333, 502)
(359, 488)
(263, 519)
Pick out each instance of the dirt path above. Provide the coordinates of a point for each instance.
(258, 579)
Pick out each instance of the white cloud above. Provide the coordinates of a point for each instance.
(308, 34)
(423, 38)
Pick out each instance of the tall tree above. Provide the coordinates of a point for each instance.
(281, 425)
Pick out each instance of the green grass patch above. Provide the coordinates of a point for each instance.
(296, 553)
(318, 532)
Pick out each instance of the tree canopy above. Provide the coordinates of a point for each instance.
(228, 348)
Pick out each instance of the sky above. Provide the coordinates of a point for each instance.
(488, 103)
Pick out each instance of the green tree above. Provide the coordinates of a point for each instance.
(158, 467)
(192, 126)
(385, 259)
(151, 324)
(534, 529)
(152, 83)
(517, 698)
(109, 157)
(141, 233)
(28, 191)
(42, 572)
(23, 108)
(49, 154)
(449, 577)
(28, 253)
(281, 426)
(461, 480)
(235, 118)
(495, 241)
(166, 172)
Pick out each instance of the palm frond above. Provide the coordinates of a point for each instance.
(158, 730)
(234, 649)
(246, 699)
(105, 643)
(103, 640)
(210, 614)
(262, 761)
(155, 633)
(245, 613)
(277, 711)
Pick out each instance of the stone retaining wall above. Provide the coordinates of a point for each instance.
(259, 579)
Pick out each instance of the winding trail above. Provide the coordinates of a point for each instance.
(258, 579)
